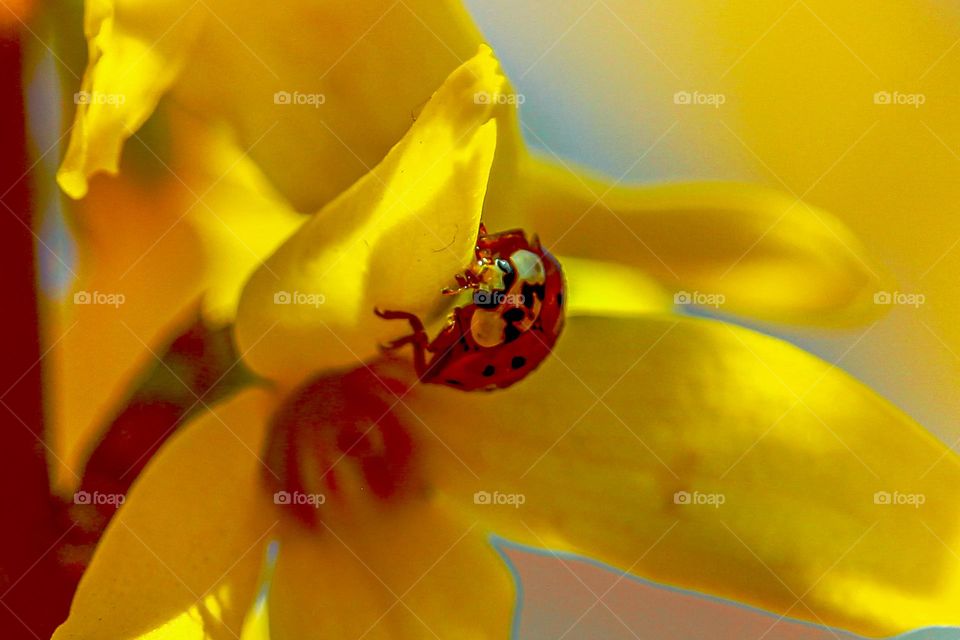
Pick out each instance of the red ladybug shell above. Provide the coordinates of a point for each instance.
(462, 362)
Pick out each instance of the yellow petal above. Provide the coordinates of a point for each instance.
(373, 64)
(596, 287)
(135, 51)
(763, 253)
(628, 412)
(182, 556)
(392, 241)
(191, 217)
(413, 572)
(356, 76)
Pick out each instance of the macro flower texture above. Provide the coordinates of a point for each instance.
(435, 343)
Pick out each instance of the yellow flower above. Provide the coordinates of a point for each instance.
(688, 451)
(218, 170)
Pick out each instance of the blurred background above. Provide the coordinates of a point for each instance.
(851, 106)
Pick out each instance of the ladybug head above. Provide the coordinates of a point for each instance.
(494, 279)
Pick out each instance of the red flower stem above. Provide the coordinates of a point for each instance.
(34, 593)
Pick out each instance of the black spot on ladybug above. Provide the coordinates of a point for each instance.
(513, 315)
(518, 361)
(560, 299)
(531, 293)
(489, 370)
(510, 333)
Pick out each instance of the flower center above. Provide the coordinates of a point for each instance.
(336, 442)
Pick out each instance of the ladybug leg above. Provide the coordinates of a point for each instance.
(418, 338)
(415, 323)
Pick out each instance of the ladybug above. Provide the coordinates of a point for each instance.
(511, 325)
